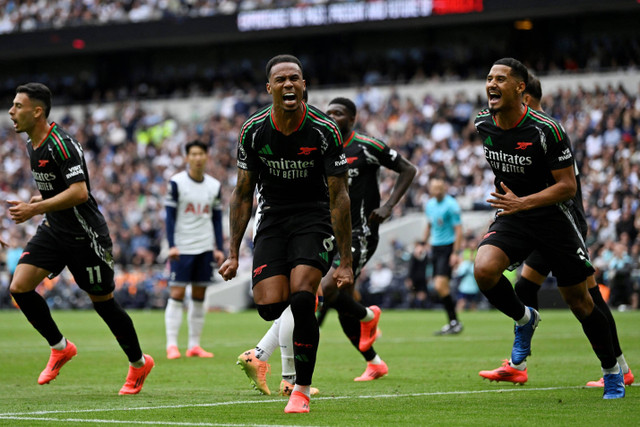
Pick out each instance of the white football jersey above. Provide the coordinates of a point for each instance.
(194, 203)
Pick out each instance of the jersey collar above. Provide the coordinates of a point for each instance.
(347, 141)
(304, 117)
(526, 112)
(53, 125)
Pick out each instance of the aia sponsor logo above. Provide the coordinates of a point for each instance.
(351, 159)
(488, 234)
(42, 163)
(197, 209)
(305, 151)
(258, 270)
(523, 145)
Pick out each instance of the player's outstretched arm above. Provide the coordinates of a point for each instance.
(340, 206)
(240, 208)
(406, 172)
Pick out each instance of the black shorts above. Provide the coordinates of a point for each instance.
(285, 241)
(440, 256)
(556, 237)
(537, 262)
(362, 249)
(89, 261)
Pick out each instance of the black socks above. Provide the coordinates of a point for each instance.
(504, 298)
(306, 335)
(121, 326)
(37, 312)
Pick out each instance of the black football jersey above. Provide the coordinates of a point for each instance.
(364, 156)
(524, 156)
(56, 163)
(292, 169)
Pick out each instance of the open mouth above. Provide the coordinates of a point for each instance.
(494, 97)
(289, 97)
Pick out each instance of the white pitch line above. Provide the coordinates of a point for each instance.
(245, 402)
(164, 423)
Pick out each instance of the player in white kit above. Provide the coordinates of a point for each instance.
(193, 221)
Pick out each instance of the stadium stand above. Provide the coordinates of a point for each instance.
(420, 98)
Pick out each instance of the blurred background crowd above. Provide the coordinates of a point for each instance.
(132, 150)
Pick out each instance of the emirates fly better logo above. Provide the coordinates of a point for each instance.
(507, 162)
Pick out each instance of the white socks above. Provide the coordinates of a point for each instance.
(305, 389)
(268, 343)
(623, 364)
(525, 319)
(614, 370)
(138, 364)
(520, 367)
(60, 345)
(173, 321)
(286, 343)
(370, 315)
(375, 361)
(195, 320)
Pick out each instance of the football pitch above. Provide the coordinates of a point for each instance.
(432, 380)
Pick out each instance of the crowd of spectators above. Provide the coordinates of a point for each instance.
(183, 72)
(450, 53)
(131, 153)
(33, 15)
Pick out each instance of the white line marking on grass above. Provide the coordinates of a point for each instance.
(164, 423)
(30, 416)
(24, 415)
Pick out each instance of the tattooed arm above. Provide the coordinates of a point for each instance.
(340, 206)
(239, 215)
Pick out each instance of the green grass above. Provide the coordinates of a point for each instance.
(432, 380)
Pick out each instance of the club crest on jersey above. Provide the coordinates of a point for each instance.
(351, 159)
(305, 151)
(488, 234)
(523, 145)
(258, 270)
(42, 163)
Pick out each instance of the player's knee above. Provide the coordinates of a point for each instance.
(272, 311)
(485, 277)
